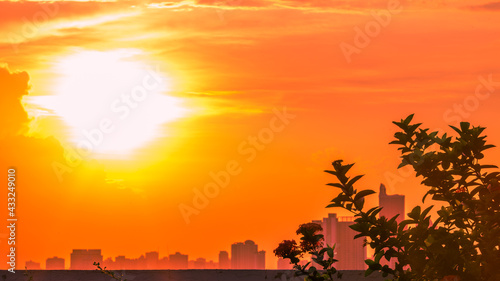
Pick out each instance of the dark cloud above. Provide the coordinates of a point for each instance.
(13, 86)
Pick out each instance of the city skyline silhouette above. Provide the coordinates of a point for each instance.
(243, 255)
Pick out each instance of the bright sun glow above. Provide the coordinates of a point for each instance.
(111, 102)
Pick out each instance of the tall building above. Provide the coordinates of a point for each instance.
(224, 262)
(247, 256)
(152, 259)
(32, 265)
(391, 204)
(349, 251)
(54, 263)
(178, 261)
(237, 252)
(84, 259)
(261, 260)
(329, 225)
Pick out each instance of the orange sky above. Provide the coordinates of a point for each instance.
(226, 66)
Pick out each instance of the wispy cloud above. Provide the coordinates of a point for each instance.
(82, 23)
(492, 6)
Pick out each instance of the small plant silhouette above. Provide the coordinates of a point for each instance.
(311, 243)
(108, 272)
(28, 274)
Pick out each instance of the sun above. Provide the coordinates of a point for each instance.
(111, 102)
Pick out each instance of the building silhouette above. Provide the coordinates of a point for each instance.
(212, 265)
(163, 263)
(391, 204)
(284, 264)
(121, 262)
(200, 263)
(32, 265)
(178, 261)
(82, 259)
(152, 259)
(247, 256)
(349, 251)
(261, 260)
(224, 262)
(54, 263)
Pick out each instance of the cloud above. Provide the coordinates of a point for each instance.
(272, 4)
(344, 7)
(332, 4)
(13, 86)
(492, 6)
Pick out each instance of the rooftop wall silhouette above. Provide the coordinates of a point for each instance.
(176, 275)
